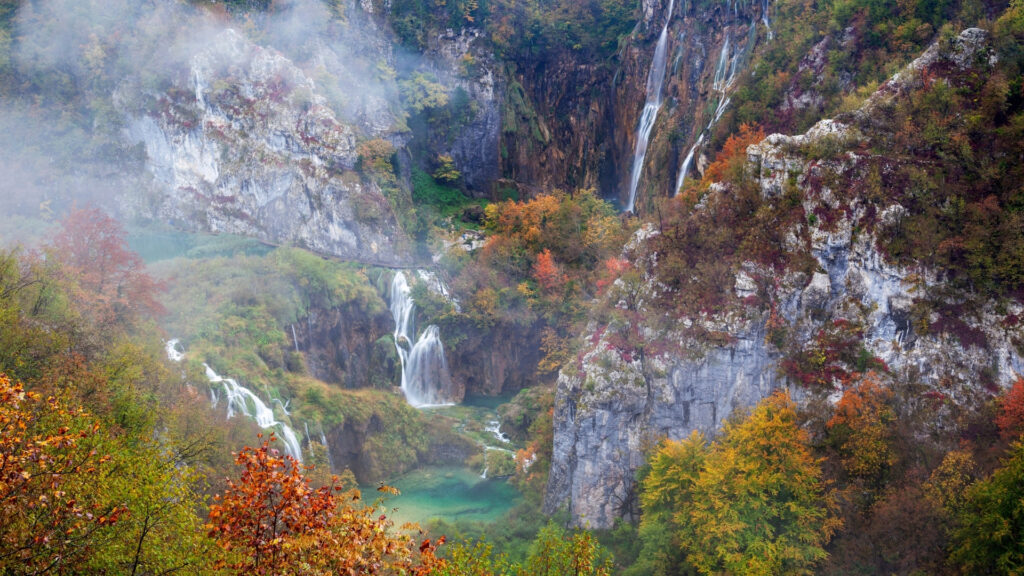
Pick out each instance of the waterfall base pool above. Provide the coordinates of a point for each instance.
(449, 493)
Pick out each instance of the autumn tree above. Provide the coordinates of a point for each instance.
(109, 281)
(271, 521)
(49, 522)
(758, 504)
(547, 272)
(667, 488)
(731, 160)
(1010, 419)
(860, 429)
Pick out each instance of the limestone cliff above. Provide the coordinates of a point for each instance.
(247, 145)
(615, 405)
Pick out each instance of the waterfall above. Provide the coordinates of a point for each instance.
(327, 447)
(295, 339)
(725, 75)
(723, 62)
(487, 465)
(494, 427)
(425, 377)
(655, 78)
(173, 354)
(767, 23)
(686, 163)
(242, 400)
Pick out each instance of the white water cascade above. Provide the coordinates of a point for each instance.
(725, 75)
(425, 378)
(655, 79)
(244, 401)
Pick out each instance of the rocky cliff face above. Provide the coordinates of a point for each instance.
(579, 123)
(461, 62)
(349, 346)
(616, 405)
(247, 145)
(500, 361)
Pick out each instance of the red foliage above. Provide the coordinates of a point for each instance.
(835, 356)
(110, 282)
(734, 149)
(1010, 419)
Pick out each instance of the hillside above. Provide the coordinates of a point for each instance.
(606, 287)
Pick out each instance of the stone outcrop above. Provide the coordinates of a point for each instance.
(351, 347)
(248, 146)
(460, 62)
(608, 417)
(615, 406)
(500, 361)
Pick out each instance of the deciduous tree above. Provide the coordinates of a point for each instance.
(109, 281)
(271, 521)
(990, 538)
(759, 505)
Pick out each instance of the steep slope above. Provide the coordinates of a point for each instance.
(808, 295)
(251, 148)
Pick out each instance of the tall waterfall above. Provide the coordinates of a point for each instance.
(425, 377)
(655, 79)
(241, 400)
(725, 75)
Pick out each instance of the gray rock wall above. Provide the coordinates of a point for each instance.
(249, 147)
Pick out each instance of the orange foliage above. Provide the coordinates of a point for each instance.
(274, 522)
(46, 522)
(734, 150)
(1010, 419)
(547, 272)
(860, 427)
(613, 268)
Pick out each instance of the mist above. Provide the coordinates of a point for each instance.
(83, 70)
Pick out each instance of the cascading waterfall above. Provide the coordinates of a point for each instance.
(425, 377)
(243, 401)
(725, 75)
(655, 79)
(323, 440)
(494, 427)
(765, 20)
(173, 354)
(720, 70)
(686, 163)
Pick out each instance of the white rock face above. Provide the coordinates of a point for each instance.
(251, 148)
(613, 406)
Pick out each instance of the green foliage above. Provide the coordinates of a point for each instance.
(422, 92)
(523, 32)
(990, 539)
(554, 552)
(432, 191)
(415, 21)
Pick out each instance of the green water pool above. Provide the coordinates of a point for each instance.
(450, 493)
